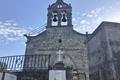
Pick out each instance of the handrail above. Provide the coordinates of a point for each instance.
(24, 62)
(37, 30)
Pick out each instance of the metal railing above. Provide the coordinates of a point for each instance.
(37, 31)
(24, 62)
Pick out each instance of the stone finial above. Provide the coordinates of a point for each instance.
(59, 0)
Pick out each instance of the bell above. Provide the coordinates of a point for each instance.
(55, 18)
(64, 18)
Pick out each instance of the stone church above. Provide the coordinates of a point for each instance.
(60, 36)
(95, 56)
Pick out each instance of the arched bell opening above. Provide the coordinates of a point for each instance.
(64, 19)
(54, 18)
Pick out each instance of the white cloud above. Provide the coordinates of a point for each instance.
(7, 24)
(15, 24)
(93, 13)
(74, 19)
(117, 2)
(89, 15)
(84, 14)
(84, 22)
(10, 31)
(0, 22)
(90, 20)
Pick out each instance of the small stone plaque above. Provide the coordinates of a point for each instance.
(57, 75)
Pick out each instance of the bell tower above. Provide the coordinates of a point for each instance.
(59, 14)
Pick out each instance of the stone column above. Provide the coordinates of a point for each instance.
(69, 19)
(59, 19)
(49, 19)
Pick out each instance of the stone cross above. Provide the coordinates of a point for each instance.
(60, 53)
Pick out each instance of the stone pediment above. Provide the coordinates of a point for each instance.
(54, 32)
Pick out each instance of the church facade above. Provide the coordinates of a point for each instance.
(60, 36)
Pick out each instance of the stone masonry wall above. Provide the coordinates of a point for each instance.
(102, 49)
(72, 44)
(113, 34)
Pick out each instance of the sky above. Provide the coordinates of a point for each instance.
(19, 17)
